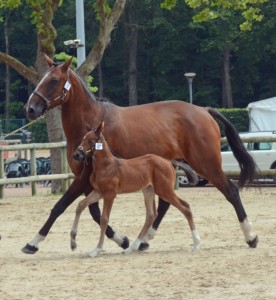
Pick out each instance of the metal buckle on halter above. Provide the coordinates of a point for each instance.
(85, 152)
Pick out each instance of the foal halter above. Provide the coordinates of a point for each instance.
(62, 95)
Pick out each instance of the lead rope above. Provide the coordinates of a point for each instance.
(2, 137)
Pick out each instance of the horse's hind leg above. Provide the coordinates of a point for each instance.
(149, 198)
(185, 209)
(231, 192)
(91, 198)
(162, 209)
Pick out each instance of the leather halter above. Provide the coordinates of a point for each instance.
(62, 95)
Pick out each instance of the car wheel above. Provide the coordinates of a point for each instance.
(183, 181)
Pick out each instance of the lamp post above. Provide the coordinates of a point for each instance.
(190, 76)
(78, 43)
(80, 31)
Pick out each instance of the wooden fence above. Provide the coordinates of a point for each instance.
(34, 178)
(67, 175)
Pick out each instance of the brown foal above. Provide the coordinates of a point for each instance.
(111, 176)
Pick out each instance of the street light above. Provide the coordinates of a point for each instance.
(80, 31)
(190, 77)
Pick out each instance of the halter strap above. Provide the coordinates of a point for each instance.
(63, 94)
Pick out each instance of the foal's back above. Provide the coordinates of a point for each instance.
(131, 175)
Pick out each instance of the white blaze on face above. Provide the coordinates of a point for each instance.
(41, 81)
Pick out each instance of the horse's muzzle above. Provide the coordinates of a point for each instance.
(78, 156)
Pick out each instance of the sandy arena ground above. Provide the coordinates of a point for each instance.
(224, 268)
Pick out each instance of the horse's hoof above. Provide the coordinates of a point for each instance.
(73, 246)
(253, 243)
(127, 251)
(29, 249)
(125, 243)
(143, 247)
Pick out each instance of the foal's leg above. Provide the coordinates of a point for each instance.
(120, 240)
(91, 198)
(185, 209)
(149, 196)
(107, 206)
(75, 190)
(162, 209)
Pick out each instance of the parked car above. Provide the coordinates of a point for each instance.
(18, 168)
(264, 153)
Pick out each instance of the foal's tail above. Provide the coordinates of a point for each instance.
(247, 164)
(191, 176)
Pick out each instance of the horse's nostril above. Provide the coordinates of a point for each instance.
(31, 111)
(76, 156)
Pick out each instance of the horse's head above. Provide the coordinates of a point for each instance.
(88, 144)
(51, 90)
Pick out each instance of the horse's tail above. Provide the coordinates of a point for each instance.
(247, 164)
(191, 176)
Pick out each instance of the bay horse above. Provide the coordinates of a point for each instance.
(194, 137)
(111, 176)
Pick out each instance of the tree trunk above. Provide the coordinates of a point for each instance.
(101, 87)
(55, 134)
(7, 77)
(131, 34)
(227, 98)
(54, 126)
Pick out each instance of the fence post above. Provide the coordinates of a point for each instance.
(33, 171)
(2, 173)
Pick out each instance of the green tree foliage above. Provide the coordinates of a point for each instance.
(206, 10)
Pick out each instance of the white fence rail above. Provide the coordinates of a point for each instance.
(67, 175)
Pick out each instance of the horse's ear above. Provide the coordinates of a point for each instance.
(100, 128)
(49, 61)
(67, 64)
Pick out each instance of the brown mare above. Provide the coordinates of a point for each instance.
(170, 129)
(111, 176)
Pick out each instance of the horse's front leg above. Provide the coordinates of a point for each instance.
(91, 198)
(107, 206)
(121, 240)
(75, 190)
(150, 216)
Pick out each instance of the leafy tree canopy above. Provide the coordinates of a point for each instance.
(207, 10)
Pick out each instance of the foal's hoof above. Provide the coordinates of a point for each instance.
(125, 243)
(143, 247)
(29, 249)
(253, 244)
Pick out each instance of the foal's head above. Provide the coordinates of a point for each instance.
(51, 90)
(89, 144)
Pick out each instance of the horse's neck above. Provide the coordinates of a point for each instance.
(104, 156)
(80, 109)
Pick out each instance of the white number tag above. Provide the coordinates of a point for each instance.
(99, 146)
(67, 85)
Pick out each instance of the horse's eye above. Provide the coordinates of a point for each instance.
(54, 82)
(90, 143)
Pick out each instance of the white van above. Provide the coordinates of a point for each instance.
(263, 152)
